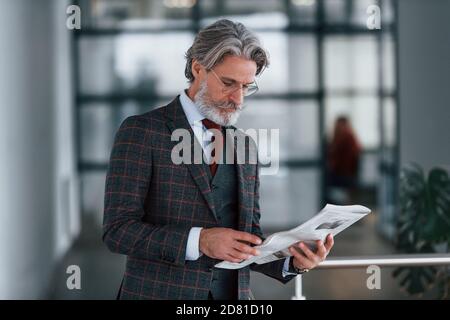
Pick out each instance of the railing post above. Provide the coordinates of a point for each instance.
(298, 289)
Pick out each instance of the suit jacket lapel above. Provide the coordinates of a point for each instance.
(199, 172)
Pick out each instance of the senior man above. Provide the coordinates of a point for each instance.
(175, 221)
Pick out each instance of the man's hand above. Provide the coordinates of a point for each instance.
(228, 244)
(308, 259)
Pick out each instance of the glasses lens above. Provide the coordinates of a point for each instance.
(246, 91)
(250, 90)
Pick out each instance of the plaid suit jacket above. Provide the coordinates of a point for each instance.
(152, 203)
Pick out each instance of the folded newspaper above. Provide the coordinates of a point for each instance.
(331, 219)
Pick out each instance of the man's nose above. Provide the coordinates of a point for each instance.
(237, 96)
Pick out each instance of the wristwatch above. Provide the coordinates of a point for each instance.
(295, 269)
(300, 270)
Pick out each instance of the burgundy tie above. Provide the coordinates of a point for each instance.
(217, 140)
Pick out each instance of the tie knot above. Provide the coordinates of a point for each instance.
(210, 124)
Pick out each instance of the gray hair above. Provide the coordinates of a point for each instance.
(222, 38)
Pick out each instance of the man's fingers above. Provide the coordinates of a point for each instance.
(239, 255)
(302, 260)
(246, 248)
(329, 242)
(231, 258)
(308, 253)
(245, 236)
(321, 250)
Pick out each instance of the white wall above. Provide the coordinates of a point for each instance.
(66, 200)
(424, 62)
(30, 163)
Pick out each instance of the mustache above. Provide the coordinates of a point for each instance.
(230, 105)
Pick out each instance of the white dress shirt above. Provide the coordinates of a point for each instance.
(203, 136)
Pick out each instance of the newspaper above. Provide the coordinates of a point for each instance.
(331, 219)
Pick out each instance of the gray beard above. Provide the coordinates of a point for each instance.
(212, 110)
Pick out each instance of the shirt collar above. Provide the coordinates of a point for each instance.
(190, 109)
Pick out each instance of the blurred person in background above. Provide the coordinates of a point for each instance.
(344, 152)
(176, 221)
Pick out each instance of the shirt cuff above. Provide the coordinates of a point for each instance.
(285, 271)
(192, 247)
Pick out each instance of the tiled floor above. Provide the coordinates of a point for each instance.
(101, 271)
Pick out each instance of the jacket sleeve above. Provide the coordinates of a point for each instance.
(127, 182)
(272, 269)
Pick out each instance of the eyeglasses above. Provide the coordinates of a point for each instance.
(231, 87)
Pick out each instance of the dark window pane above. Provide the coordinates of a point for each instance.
(134, 63)
(92, 197)
(350, 63)
(302, 63)
(253, 13)
(293, 63)
(297, 196)
(275, 78)
(336, 11)
(302, 12)
(387, 12)
(368, 172)
(136, 14)
(359, 12)
(99, 124)
(97, 132)
(296, 121)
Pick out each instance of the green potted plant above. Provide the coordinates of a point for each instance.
(423, 226)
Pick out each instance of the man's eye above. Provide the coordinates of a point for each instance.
(228, 84)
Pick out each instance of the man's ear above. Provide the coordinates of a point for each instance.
(196, 68)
